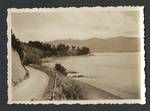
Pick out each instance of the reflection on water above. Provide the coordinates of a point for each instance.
(117, 73)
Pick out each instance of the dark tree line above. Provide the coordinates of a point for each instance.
(29, 54)
(60, 49)
(48, 49)
(40, 45)
(16, 45)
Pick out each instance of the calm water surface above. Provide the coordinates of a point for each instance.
(117, 73)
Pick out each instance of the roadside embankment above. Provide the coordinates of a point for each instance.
(61, 87)
(30, 88)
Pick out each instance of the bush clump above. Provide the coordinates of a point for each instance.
(61, 69)
(72, 91)
(31, 59)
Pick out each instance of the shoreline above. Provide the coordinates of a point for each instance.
(70, 89)
(131, 87)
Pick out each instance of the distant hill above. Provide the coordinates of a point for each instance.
(116, 44)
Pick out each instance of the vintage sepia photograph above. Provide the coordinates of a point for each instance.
(76, 55)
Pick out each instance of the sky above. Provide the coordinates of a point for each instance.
(75, 24)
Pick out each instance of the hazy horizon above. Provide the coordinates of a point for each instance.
(76, 24)
(95, 38)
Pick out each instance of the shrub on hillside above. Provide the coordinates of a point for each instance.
(16, 45)
(72, 91)
(83, 51)
(31, 59)
(61, 69)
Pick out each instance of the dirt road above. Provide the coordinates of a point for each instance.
(31, 88)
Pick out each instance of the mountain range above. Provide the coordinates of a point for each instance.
(116, 44)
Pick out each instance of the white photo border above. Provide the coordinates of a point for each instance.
(142, 60)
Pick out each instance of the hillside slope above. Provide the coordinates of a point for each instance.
(18, 72)
(29, 88)
(117, 44)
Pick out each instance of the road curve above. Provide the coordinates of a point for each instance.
(31, 88)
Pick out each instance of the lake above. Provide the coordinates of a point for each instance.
(117, 73)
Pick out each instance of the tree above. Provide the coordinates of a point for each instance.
(83, 51)
(61, 69)
(67, 47)
(54, 50)
(16, 45)
(73, 47)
